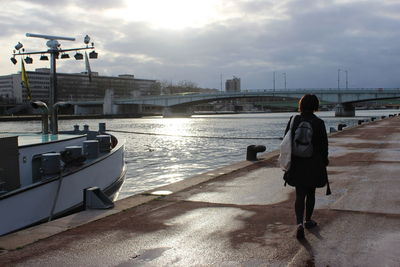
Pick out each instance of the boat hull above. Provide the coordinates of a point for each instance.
(33, 204)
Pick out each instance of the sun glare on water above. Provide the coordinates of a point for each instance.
(176, 127)
(171, 14)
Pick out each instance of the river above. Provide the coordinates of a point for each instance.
(162, 151)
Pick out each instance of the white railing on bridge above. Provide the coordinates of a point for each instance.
(344, 90)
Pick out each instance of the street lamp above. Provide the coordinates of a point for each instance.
(284, 79)
(338, 79)
(347, 80)
(273, 81)
(220, 76)
(54, 49)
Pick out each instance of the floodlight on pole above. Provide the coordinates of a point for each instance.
(44, 57)
(78, 56)
(18, 46)
(93, 54)
(54, 49)
(28, 60)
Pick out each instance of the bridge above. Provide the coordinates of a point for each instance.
(343, 98)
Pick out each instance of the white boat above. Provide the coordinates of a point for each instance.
(44, 176)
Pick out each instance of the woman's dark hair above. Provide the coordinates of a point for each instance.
(308, 103)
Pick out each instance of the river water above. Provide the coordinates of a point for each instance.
(162, 151)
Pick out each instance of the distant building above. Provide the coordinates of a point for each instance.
(232, 85)
(74, 86)
(7, 83)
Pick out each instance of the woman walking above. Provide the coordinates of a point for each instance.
(308, 170)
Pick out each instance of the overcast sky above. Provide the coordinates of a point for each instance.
(200, 40)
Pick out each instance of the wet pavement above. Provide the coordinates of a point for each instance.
(242, 215)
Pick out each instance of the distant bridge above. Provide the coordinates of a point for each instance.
(328, 95)
(344, 98)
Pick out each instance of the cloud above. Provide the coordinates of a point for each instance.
(309, 40)
(92, 4)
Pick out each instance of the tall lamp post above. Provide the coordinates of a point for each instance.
(221, 81)
(284, 79)
(338, 79)
(347, 80)
(54, 49)
(273, 81)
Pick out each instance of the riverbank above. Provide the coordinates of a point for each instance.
(66, 117)
(117, 116)
(100, 116)
(241, 215)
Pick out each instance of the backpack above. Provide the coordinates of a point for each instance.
(302, 140)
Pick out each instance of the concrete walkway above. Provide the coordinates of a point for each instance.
(240, 215)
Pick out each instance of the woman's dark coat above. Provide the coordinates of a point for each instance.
(310, 172)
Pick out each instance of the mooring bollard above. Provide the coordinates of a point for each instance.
(373, 118)
(341, 126)
(76, 128)
(252, 151)
(102, 127)
(360, 122)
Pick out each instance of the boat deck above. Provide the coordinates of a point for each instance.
(28, 139)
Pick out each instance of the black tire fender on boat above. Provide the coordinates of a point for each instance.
(114, 141)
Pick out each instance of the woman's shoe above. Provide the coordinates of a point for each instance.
(300, 232)
(310, 224)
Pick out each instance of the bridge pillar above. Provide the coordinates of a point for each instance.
(109, 108)
(177, 112)
(345, 110)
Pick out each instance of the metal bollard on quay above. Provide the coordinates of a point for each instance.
(252, 151)
(341, 126)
